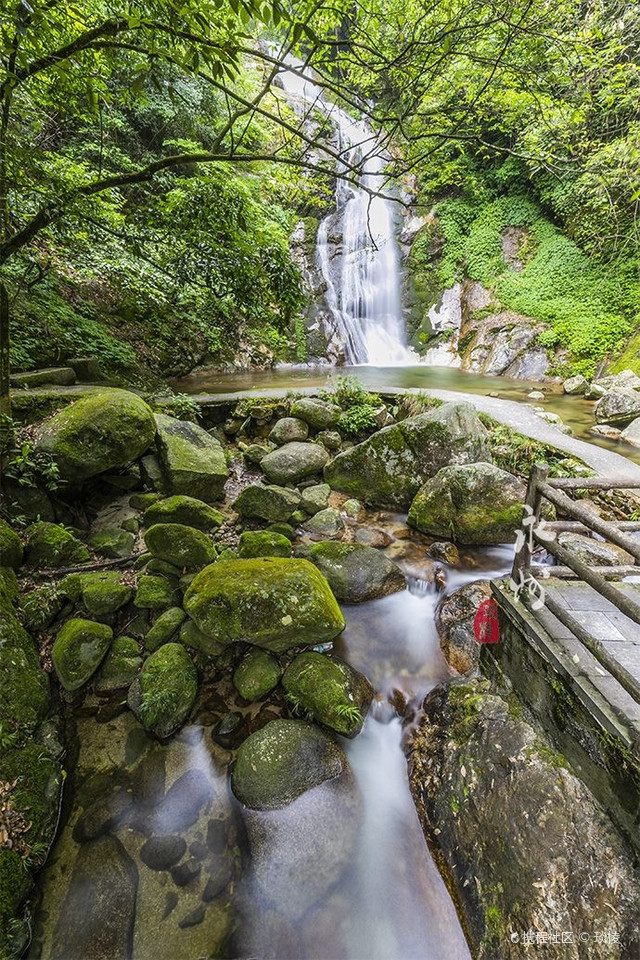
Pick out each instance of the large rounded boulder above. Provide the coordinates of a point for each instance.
(389, 467)
(618, 407)
(355, 572)
(274, 603)
(294, 462)
(164, 693)
(268, 502)
(473, 504)
(193, 462)
(330, 691)
(97, 433)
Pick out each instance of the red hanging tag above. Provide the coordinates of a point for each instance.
(486, 626)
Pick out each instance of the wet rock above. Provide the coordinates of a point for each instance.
(171, 903)
(315, 497)
(454, 620)
(353, 509)
(473, 504)
(164, 628)
(188, 511)
(575, 385)
(355, 572)
(164, 693)
(148, 779)
(630, 434)
(294, 462)
(97, 433)
(603, 430)
(498, 802)
(230, 730)
(219, 879)
(330, 691)
(78, 651)
(186, 872)
(618, 408)
(50, 545)
(217, 836)
(193, 461)
(283, 760)
(372, 537)
(183, 802)
(555, 421)
(256, 675)
(325, 523)
(288, 430)
(192, 919)
(389, 467)
(262, 543)
(319, 414)
(190, 636)
(273, 603)
(102, 816)
(184, 547)
(445, 552)
(269, 502)
(162, 853)
(97, 915)
(594, 552)
(10, 547)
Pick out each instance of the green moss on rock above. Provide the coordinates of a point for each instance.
(330, 691)
(120, 666)
(193, 462)
(355, 572)
(272, 603)
(184, 547)
(103, 593)
(25, 687)
(10, 547)
(164, 628)
(155, 593)
(472, 504)
(78, 651)
(112, 542)
(256, 675)
(268, 502)
(98, 432)
(283, 760)
(185, 510)
(14, 885)
(262, 543)
(192, 637)
(164, 693)
(50, 545)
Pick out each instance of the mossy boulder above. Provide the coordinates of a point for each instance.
(164, 628)
(156, 593)
(164, 693)
(319, 414)
(193, 462)
(330, 691)
(283, 760)
(25, 687)
(273, 603)
(315, 498)
(120, 666)
(10, 547)
(78, 651)
(187, 511)
(184, 547)
(14, 886)
(98, 432)
(262, 543)
(269, 502)
(355, 572)
(473, 504)
(112, 542)
(50, 545)
(294, 462)
(103, 592)
(41, 606)
(190, 636)
(389, 467)
(287, 430)
(256, 675)
(283, 528)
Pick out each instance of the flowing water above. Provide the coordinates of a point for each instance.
(357, 249)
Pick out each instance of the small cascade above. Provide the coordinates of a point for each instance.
(446, 317)
(357, 250)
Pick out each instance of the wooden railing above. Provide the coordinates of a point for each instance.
(527, 578)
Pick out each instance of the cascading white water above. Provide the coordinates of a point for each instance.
(360, 260)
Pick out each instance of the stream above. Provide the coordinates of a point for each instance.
(389, 903)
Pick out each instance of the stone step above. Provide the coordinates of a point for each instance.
(50, 376)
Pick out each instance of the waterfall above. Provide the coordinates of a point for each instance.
(357, 251)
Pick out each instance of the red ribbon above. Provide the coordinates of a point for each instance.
(486, 626)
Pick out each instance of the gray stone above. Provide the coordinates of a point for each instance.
(594, 552)
(56, 376)
(355, 572)
(389, 467)
(288, 430)
(319, 414)
(294, 462)
(618, 407)
(325, 523)
(454, 621)
(315, 498)
(269, 502)
(575, 385)
(161, 853)
(193, 461)
(631, 434)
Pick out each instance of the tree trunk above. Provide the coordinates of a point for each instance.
(5, 398)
